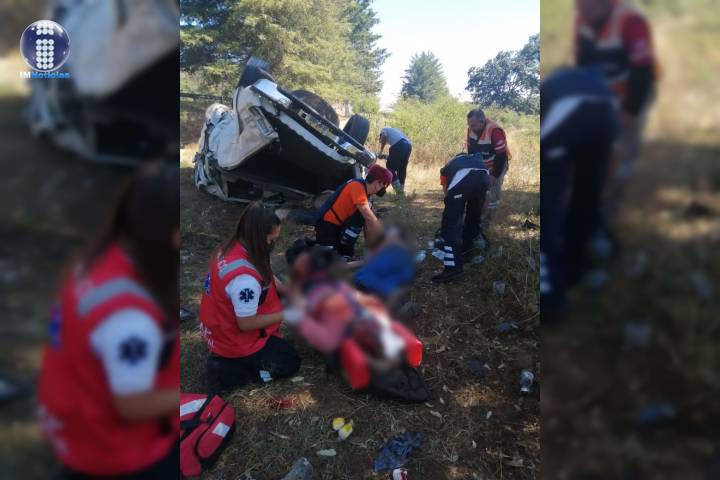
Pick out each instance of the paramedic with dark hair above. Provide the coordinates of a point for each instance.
(347, 212)
(109, 382)
(240, 309)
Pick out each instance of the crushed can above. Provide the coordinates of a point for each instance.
(400, 474)
(526, 382)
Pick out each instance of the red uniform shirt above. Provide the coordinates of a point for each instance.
(217, 316)
(622, 42)
(76, 402)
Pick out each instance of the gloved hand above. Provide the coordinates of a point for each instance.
(293, 316)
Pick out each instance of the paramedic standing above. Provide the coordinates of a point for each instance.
(240, 309)
(464, 179)
(347, 212)
(110, 377)
(488, 139)
(615, 36)
(398, 155)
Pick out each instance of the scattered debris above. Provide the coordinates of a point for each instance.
(637, 334)
(9, 389)
(498, 287)
(430, 245)
(436, 414)
(526, 382)
(507, 326)
(479, 370)
(478, 259)
(345, 431)
(515, 462)
(656, 413)
(265, 376)
(396, 453)
(281, 403)
(302, 469)
(186, 314)
(330, 452)
(702, 285)
(343, 428)
(697, 209)
(439, 254)
(420, 257)
(400, 474)
(297, 379)
(527, 224)
(498, 252)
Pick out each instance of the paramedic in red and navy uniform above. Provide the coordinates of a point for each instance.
(615, 36)
(240, 310)
(109, 383)
(488, 139)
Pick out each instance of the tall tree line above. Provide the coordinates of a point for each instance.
(326, 46)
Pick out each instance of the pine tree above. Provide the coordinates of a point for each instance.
(424, 79)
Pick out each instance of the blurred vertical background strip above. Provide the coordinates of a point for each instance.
(62, 173)
(632, 372)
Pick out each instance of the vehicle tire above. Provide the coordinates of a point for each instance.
(319, 104)
(254, 70)
(358, 127)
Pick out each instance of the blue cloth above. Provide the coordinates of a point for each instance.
(387, 271)
(396, 452)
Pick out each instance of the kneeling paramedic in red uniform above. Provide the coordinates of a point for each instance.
(109, 383)
(339, 221)
(352, 329)
(240, 310)
(465, 181)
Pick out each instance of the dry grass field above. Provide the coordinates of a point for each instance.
(473, 428)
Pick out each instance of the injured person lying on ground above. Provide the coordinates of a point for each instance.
(353, 330)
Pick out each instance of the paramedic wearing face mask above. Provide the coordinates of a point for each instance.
(240, 310)
(109, 384)
(347, 212)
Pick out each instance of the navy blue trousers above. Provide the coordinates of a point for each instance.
(397, 160)
(574, 162)
(461, 217)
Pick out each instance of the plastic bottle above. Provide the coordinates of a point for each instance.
(526, 382)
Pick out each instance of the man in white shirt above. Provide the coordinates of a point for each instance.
(398, 155)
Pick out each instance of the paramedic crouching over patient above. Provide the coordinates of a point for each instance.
(465, 181)
(240, 310)
(109, 383)
(347, 212)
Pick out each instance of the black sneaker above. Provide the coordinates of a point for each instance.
(447, 275)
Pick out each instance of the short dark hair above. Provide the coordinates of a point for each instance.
(477, 113)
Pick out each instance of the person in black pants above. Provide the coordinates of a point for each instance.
(579, 124)
(465, 180)
(398, 155)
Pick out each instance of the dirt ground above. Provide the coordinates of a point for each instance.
(596, 381)
(473, 428)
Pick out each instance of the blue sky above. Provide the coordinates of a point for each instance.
(461, 33)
